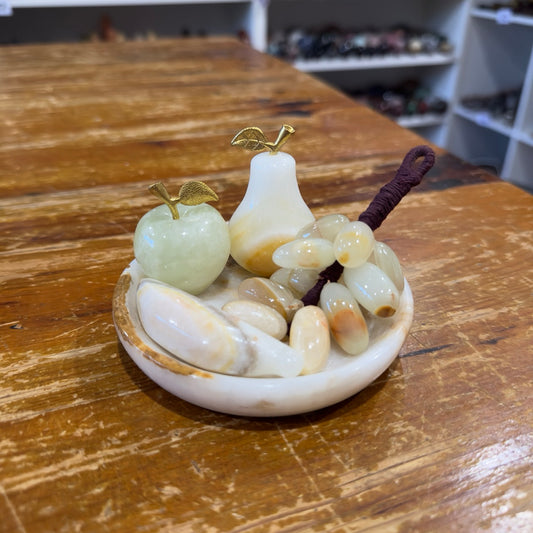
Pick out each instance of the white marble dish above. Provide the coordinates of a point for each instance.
(343, 376)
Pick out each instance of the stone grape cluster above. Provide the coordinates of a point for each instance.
(372, 278)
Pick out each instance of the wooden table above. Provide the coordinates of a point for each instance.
(442, 441)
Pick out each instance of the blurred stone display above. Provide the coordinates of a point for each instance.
(407, 99)
(333, 42)
(501, 106)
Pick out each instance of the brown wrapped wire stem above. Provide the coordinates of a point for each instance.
(408, 175)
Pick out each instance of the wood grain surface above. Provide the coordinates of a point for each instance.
(442, 441)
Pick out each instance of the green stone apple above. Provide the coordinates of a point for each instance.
(186, 246)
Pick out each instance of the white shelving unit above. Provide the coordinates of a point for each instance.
(492, 51)
(498, 56)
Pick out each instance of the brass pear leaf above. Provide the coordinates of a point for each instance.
(251, 138)
(196, 192)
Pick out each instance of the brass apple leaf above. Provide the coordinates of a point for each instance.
(196, 192)
(191, 193)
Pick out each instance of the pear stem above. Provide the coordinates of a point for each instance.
(159, 190)
(283, 136)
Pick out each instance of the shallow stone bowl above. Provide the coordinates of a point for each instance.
(343, 376)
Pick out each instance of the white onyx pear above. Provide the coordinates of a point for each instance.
(270, 214)
(203, 336)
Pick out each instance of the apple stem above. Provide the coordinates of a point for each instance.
(159, 190)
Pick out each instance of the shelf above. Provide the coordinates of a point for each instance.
(526, 138)
(97, 3)
(132, 19)
(478, 145)
(421, 121)
(502, 17)
(389, 61)
(484, 119)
